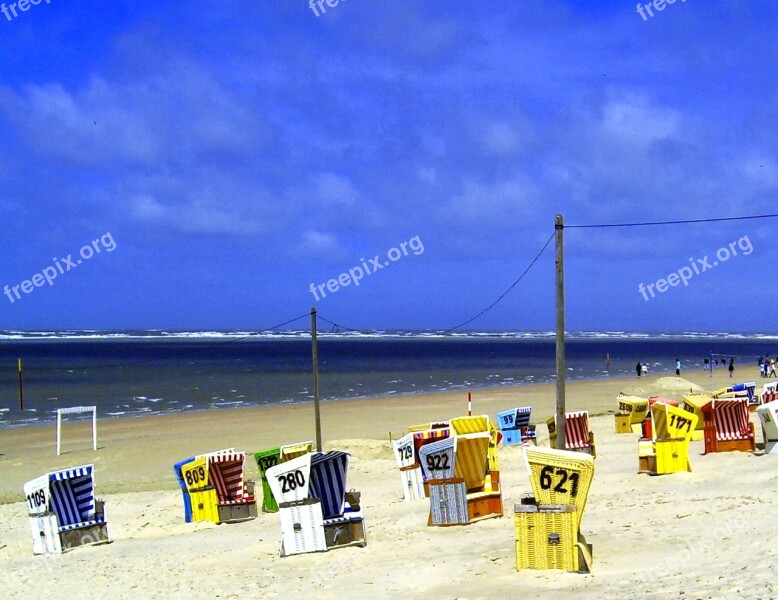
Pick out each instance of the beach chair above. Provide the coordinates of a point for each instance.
(64, 512)
(768, 417)
(410, 469)
(578, 437)
(462, 488)
(214, 488)
(421, 439)
(727, 427)
(479, 424)
(632, 411)
(547, 526)
(740, 390)
(693, 403)
(668, 451)
(515, 426)
(317, 512)
(769, 392)
(271, 458)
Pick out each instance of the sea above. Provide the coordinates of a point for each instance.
(136, 373)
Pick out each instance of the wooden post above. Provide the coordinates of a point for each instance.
(315, 353)
(21, 385)
(469, 404)
(560, 334)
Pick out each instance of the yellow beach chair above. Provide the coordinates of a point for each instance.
(668, 452)
(547, 527)
(632, 411)
(479, 424)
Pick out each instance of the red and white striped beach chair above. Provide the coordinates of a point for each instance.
(727, 427)
(577, 435)
(215, 489)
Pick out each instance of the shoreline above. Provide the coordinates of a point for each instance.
(137, 453)
(515, 386)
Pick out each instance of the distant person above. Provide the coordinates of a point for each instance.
(639, 369)
(763, 369)
(731, 367)
(706, 365)
(772, 367)
(678, 367)
(644, 369)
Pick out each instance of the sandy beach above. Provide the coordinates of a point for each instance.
(698, 535)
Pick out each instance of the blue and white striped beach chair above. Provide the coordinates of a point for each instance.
(63, 511)
(317, 511)
(515, 426)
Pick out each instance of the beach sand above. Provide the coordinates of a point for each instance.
(703, 534)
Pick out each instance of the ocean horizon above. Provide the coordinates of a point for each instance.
(129, 373)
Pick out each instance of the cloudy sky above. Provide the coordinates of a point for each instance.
(236, 152)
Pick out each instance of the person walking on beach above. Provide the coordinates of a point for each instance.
(772, 367)
(639, 369)
(644, 369)
(763, 369)
(731, 367)
(678, 367)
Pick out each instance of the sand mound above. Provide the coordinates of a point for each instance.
(676, 384)
(635, 391)
(364, 449)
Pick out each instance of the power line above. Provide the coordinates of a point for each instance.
(506, 292)
(680, 222)
(485, 310)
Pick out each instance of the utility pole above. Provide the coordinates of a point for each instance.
(560, 334)
(315, 353)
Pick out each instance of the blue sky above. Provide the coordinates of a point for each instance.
(238, 152)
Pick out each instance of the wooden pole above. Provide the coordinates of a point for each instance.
(315, 353)
(21, 385)
(469, 404)
(560, 334)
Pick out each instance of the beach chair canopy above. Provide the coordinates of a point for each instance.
(515, 418)
(438, 459)
(471, 460)
(290, 481)
(672, 423)
(768, 416)
(634, 406)
(470, 424)
(226, 474)
(69, 494)
(328, 481)
(429, 436)
(290, 451)
(404, 451)
(577, 429)
(731, 416)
